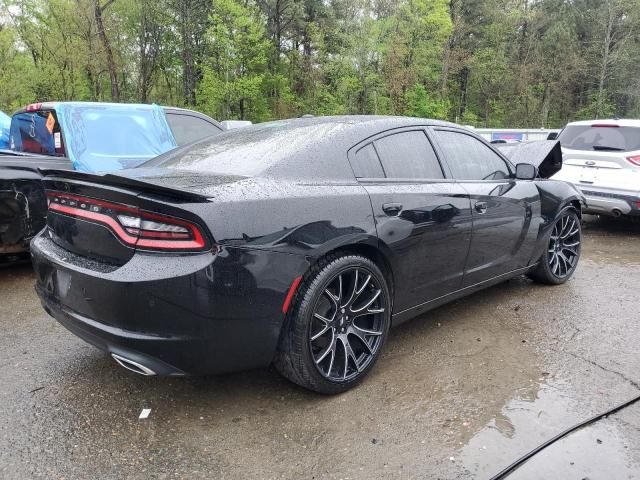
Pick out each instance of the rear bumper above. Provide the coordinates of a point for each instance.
(176, 315)
(603, 201)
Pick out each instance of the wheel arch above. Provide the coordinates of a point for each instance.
(368, 248)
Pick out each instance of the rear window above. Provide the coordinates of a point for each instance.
(248, 151)
(36, 132)
(605, 138)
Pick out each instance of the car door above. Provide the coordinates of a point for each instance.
(504, 230)
(423, 220)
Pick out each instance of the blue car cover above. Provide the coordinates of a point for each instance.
(5, 125)
(108, 137)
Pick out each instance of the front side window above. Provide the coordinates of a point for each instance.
(470, 159)
(408, 155)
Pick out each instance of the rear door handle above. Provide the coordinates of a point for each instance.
(392, 209)
(481, 207)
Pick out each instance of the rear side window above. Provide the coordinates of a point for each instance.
(470, 159)
(36, 132)
(603, 138)
(408, 155)
(188, 128)
(366, 163)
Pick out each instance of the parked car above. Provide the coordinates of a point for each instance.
(602, 159)
(81, 136)
(298, 242)
(5, 123)
(99, 137)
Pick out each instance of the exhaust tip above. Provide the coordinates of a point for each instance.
(132, 366)
(616, 213)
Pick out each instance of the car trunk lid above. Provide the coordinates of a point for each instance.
(108, 217)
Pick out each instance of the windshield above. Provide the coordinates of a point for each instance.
(113, 137)
(590, 137)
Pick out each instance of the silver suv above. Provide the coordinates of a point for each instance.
(602, 159)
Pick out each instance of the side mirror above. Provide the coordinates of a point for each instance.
(552, 136)
(526, 171)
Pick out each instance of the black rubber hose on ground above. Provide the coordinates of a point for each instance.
(518, 463)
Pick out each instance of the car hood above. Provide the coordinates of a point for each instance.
(544, 154)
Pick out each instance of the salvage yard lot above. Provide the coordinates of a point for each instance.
(463, 391)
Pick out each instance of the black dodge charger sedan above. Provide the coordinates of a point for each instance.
(296, 242)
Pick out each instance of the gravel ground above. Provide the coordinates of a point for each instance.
(460, 393)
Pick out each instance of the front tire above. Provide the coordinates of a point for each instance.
(336, 327)
(562, 253)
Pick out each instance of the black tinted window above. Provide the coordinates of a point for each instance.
(366, 163)
(408, 155)
(470, 159)
(187, 128)
(604, 137)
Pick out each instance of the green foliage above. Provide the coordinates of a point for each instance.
(482, 62)
(421, 104)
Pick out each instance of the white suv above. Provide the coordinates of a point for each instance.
(602, 159)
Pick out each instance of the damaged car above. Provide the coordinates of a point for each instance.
(296, 242)
(81, 136)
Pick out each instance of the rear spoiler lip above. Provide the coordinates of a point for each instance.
(121, 181)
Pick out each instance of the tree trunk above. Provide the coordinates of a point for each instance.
(188, 67)
(111, 65)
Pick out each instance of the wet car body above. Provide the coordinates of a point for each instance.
(271, 201)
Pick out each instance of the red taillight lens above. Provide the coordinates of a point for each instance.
(635, 160)
(133, 227)
(32, 107)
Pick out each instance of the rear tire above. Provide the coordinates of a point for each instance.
(562, 253)
(336, 326)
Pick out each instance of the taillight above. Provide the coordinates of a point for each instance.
(635, 160)
(604, 125)
(33, 107)
(133, 227)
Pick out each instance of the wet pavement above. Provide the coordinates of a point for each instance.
(460, 392)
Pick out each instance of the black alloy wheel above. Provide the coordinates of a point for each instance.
(347, 324)
(559, 261)
(337, 326)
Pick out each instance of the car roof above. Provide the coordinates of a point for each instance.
(620, 122)
(311, 147)
(55, 104)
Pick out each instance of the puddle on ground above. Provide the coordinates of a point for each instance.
(601, 450)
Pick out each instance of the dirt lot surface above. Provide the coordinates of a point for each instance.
(459, 393)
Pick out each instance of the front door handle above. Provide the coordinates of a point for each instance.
(392, 209)
(481, 207)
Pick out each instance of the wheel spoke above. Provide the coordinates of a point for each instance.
(364, 341)
(369, 311)
(353, 291)
(324, 330)
(369, 302)
(348, 354)
(328, 350)
(325, 320)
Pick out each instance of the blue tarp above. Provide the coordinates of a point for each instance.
(97, 137)
(107, 137)
(5, 124)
